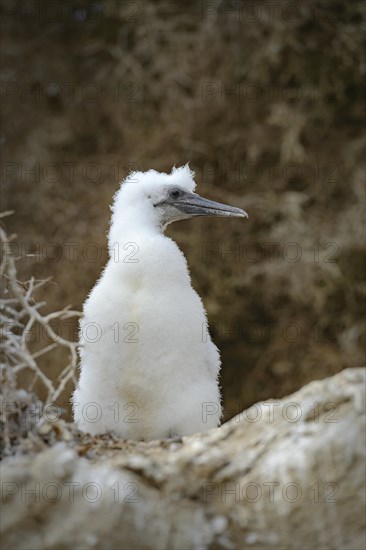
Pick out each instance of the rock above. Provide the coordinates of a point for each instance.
(287, 473)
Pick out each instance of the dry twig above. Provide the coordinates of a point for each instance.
(19, 314)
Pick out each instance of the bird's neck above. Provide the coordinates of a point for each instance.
(133, 227)
(142, 254)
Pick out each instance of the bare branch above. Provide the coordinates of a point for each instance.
(20, 316)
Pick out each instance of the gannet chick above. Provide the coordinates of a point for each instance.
(148, 367)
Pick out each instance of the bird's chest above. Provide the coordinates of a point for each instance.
(156, 297)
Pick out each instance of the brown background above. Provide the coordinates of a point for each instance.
(265, 102)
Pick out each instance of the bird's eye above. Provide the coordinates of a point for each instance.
(175, 193)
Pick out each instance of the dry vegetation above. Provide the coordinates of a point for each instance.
(20, 315)
(91, 95)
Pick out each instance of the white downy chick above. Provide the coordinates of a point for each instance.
(148, 367)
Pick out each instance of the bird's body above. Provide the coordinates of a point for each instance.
(148, 366)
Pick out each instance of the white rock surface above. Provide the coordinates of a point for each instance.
(288, 480)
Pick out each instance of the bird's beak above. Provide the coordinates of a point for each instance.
(194, 205)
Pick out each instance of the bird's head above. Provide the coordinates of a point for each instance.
(158, 199)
